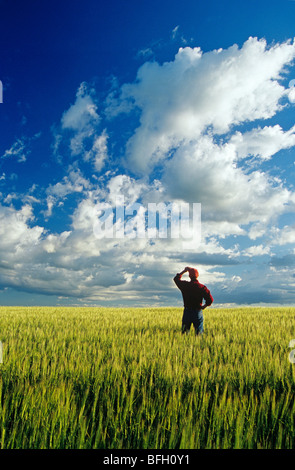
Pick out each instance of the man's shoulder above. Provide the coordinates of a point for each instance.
(179, 282)
(202, 286)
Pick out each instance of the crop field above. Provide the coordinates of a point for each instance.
(104, 378)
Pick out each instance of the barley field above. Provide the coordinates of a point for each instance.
(103, 378)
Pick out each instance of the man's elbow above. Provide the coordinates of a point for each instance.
(209, 301)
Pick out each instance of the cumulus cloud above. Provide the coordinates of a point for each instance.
(283, 236)
(18, 242)
(79, 130)
(263, 143)
(73, 182)
(291, 92)
(83, 113)
(257, 250)
(189, 109)
(183, 98)
(184, 147)
(230, 197)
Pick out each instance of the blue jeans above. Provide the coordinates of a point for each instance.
(192, 316)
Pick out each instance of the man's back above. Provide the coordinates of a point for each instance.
(193, 292)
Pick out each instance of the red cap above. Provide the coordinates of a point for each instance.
(193, 273)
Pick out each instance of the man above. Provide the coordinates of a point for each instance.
(193, 294)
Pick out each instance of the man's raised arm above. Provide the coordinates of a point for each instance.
(177, 278)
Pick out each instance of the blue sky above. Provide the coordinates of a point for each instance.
(158, 101)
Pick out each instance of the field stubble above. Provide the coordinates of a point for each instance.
(128, 379)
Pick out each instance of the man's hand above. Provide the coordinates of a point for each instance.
(184, 271)
(203, 307)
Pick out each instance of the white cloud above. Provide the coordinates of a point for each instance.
(83, 113)
(99, 151)
(283, 236)
(257, 250)
(188, 110)
(80, 130)
(50, 205)
(180, 100)
(17, 238)
(291, 95)
(146, 52)
(123, 186)
(53, 242)
(257, 230)
(263, 143)
(206, 172)
(71, 183)
(175, 31)
(20, 148)
(186, 106)
(291, 92)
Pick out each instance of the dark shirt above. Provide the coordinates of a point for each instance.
(193, 292)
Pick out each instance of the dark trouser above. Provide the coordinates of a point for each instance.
(192, 316)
